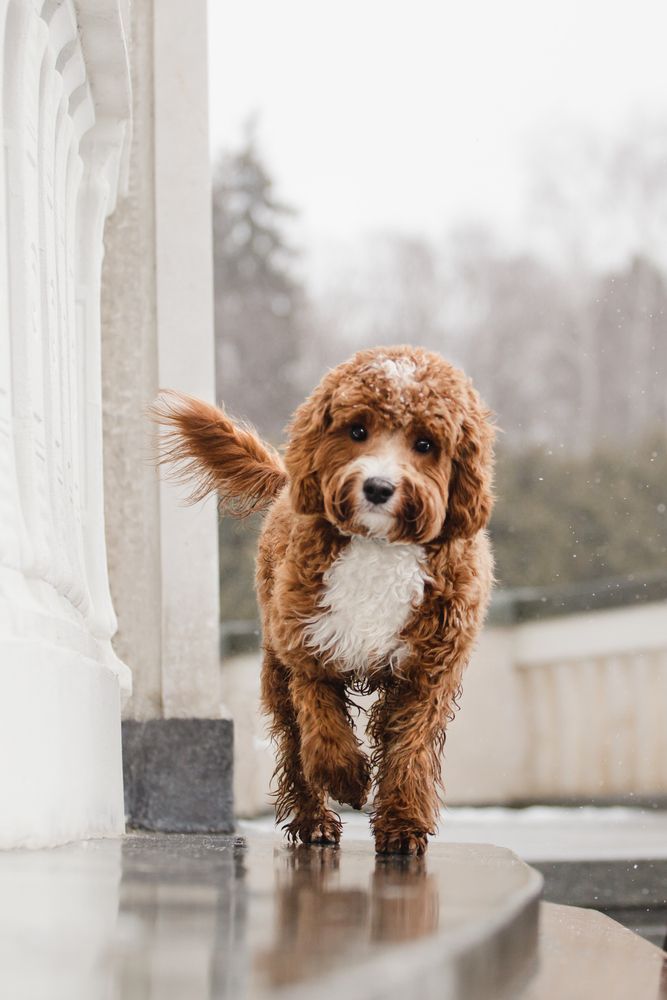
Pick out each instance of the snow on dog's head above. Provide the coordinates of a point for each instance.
(394, 443)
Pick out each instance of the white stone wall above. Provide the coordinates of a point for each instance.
(65, 95)
(574, 706)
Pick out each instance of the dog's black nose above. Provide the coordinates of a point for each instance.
(378, 490)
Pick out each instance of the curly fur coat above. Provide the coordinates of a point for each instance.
(374, 573)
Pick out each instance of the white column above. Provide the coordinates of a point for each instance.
(158, 331)
(191, 684)
(65, 113)
(157, 308)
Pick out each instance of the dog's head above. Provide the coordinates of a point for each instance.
(394, 444)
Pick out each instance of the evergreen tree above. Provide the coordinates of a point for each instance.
(259, 303)
(259, 317)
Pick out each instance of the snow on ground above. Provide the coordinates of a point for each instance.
(537, 833)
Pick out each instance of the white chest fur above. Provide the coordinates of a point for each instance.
(369, 593)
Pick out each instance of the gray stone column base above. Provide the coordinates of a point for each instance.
(178, 775)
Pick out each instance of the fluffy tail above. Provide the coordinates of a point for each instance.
(213, 453)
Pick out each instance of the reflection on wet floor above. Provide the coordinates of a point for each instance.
(182, 918)
(319, 915)
(199, 917)
(311, 906)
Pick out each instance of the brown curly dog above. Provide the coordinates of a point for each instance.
(374, 573)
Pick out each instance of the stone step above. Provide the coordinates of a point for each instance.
(649, 922)
(461, 923)
(632, 892)
(188, 917)
(196, 917)
(584, 955)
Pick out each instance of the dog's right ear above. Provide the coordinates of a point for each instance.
(308, 424)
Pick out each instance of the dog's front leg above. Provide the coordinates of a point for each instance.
(304, 807)
(408, 726)
(330, 754)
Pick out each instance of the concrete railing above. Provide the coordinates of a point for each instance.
(571, 706)
(65, 96)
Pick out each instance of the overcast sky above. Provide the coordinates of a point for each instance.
(378, 114)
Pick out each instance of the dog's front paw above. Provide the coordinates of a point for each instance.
(401, 841)
(350, 784)
(323, 828)
(347, 781)
(327, 831)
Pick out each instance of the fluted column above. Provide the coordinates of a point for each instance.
(65, 114)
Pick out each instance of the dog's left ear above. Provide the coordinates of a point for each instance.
(308, 424)
(471, 484)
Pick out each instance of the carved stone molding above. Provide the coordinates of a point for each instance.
(66, 108)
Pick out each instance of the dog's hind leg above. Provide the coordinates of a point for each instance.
(302, 807)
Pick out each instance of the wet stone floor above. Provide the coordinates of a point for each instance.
(190, 917)
(171, 917)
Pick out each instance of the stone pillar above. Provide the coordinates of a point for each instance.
(158, 332)
(66, 108)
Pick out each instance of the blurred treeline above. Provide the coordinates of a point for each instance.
(566, 342)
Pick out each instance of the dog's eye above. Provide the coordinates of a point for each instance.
(358, 432)
(422, 445)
